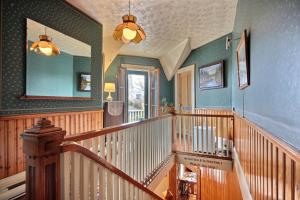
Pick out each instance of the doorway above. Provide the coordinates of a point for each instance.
(185, 89)
(137, 95)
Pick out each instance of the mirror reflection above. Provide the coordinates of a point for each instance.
(57, 65)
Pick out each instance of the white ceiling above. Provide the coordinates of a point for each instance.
(166, 22)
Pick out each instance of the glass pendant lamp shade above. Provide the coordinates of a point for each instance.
(129, 31)
(45, 46)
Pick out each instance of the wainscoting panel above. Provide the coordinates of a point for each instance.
(11, 127)
(271, 167)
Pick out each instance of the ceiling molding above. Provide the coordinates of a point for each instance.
(173, 59)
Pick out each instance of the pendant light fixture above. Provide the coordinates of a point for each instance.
(129, 31)
(45, 46)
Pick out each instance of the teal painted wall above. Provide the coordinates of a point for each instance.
(166, 87)
(60, 16)
(49, 76)
(81, 65)
(273, 98)
(209, 53)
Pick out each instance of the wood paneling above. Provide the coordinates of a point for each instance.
(218, 184)
(271, 167)
(11, 149)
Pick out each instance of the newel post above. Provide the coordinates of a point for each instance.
(42, 153)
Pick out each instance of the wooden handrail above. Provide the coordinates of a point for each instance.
(108, 130)
(202, 115)
(73, 147)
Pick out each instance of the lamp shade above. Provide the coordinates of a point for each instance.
(109, 87)
(129, 31)
(45, 46)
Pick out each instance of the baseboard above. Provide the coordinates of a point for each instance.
(241, 177)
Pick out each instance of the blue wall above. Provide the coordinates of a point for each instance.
(273, 98)
(81, 65)
(60, 16)
(166, 87)
(209, 53)
(49, 76)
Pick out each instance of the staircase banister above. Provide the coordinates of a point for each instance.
(74, 147)
(203, 115)
(108, 130)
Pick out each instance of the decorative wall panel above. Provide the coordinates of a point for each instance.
(11, 127)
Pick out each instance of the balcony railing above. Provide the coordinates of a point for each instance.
(135, 115)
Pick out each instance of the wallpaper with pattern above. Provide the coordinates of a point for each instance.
(57, 15)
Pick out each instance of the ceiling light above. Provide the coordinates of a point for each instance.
(129, 31)
(45, 46)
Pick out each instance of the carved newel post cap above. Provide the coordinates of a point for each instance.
(43, 138)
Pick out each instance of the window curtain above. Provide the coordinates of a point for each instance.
(154, 93)
(121, 82)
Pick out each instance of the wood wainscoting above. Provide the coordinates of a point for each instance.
(11, 149)
(271, 167)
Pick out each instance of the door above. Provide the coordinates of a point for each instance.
(185, 89)
(137, 95)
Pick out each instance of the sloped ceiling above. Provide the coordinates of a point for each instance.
(167, 23)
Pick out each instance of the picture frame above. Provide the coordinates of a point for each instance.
(85, 82)
(243, 62)
(211, 76)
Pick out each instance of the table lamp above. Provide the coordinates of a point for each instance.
(109, 87)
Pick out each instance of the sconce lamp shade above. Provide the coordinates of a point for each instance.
(109, 87)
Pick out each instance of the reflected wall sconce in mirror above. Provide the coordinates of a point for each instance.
(109, 87)
(45, 46)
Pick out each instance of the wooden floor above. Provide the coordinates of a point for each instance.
(219, 185)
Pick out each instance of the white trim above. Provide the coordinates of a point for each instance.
(181, 70)
(241, 177)
(147, 69)
(137, 67)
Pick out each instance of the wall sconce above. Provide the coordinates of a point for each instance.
(109, 87)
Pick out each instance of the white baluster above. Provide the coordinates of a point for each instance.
(93, 180)
(75, 176)
(84, 176)
(65, 175)
(102, 183)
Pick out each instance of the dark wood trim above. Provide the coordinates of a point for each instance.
(81, 12)
(30, 97)
(92, 134)
(43, 115)
(79, 149)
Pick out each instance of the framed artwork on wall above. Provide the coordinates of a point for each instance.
(85, 82)
(211, 76)
(243, 62)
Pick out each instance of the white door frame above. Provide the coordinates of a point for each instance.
(181, 70)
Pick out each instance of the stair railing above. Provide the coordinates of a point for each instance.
(137, 148)
(65, 170)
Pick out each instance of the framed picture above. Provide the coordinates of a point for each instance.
(85, 82)
(243, 62)
(211, 76)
